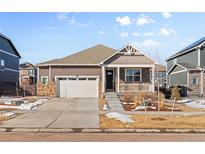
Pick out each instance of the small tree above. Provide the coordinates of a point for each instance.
(175, 95)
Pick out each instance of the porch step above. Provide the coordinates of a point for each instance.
(114, 101)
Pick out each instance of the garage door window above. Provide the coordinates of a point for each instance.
(91, 78)
(61, 78)
(82, 78)
(72, 78)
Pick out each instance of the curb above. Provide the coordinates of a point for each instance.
(92, 130)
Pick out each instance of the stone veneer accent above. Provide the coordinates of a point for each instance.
(194, 89)
(46, 90)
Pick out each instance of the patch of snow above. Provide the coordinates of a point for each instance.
(197, 104)
(26, 105)
(106, 107)
(8, 114)
(143, 107)
(121, 117)
(186, 100)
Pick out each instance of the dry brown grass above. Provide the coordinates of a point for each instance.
(3, 118)
(191, 121)
(101, 103)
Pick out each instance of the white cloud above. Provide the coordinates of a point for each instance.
(150, 43)
(166, 15)
(149, 34)
(101, 32)
(71, 20)
(167, 31)
(124, 21)
(135, 34)
(124, 34)
(62, 16)
(144, 20)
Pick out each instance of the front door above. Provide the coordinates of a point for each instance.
(109, 80)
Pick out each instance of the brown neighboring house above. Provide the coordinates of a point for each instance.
(160, 75)
(27, 74)
(99, 69)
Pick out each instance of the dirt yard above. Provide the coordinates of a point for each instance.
(189, 121)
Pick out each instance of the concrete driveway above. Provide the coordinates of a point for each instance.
(60, 113)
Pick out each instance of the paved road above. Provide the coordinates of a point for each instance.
(97, 137)
(60, 113)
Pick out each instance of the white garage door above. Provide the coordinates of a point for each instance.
(77, 86)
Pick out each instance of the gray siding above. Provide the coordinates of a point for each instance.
(177, 68)
(191, 58)
(11, 62)
(170, 64)
(202, 54)
(6, 46)
(178, 79)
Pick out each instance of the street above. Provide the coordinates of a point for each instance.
(101, 137)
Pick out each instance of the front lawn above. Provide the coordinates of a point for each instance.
(140, 121)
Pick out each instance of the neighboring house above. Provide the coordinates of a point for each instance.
(160, 75)
(9, 64)
(100, 69)
(186, 68)
(27, 74)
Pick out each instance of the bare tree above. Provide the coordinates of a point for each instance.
(175, 95)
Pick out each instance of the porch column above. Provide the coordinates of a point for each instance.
(49, 73)
(38, 75)
(103, 79)
(118, 79)
(153, 79)
(202, 82)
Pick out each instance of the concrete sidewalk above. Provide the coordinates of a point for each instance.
(59, 113)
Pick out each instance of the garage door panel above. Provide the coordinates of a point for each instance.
(78, 88)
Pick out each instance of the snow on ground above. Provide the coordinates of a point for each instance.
(196, 104)
(192, 103)
(26, 105)
(118, 116)
(143, 107)
(9, 114)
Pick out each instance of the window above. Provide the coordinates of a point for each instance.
(82, 78)
(133, 75)
(2, 64)
(91, 78)
(62, 78)
(44, 80)
(72, 78)
(31, 72)
(195, 81)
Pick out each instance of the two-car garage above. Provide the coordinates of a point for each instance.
(77, 86)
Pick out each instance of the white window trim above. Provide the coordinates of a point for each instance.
(133, 78)
(44, 77)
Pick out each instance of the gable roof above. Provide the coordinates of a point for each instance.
(91, 56)
(26, 65)
(185, 66)
(15, 50)
(188, 48)
(131, 49)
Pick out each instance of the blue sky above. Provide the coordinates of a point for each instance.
(44, 36)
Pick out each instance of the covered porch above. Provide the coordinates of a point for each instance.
(128, 78)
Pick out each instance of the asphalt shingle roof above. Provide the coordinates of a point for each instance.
(198, 42)
(93, 55)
